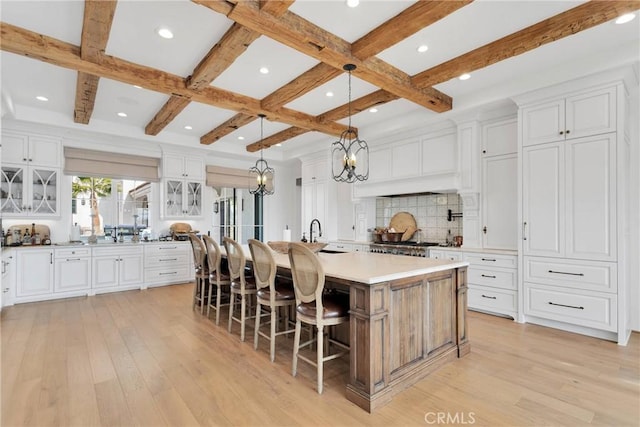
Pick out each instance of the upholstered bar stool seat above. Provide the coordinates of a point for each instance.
(333, 306)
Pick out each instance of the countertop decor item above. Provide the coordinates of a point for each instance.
(261, 176)
(405, 222)
(349, 150)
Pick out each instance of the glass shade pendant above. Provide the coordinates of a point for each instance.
(349, 154)
(261, 176)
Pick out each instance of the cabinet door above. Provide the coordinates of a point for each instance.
(35, 272)
(500, 138)
(8, 277)
(321, 211)
(591, 198)
(14, 148)
(44, 151)
(500, 201)
(13, 189)
(174, 198)
(105, 272)
(193, 202)
(543, 200)
(345, 212)
(543, 123)
(592, 113)
(131, 270)
(173, 166)
(194, 168)
(72, 274)
(44, 193)
(308, 205)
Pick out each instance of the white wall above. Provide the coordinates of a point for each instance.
(634, 202)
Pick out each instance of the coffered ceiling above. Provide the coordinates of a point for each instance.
(95, 59)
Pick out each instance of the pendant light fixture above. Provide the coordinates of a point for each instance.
(261, 176)
(349, 151)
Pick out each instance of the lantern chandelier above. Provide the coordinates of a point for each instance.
(349, 150)
(261, 176)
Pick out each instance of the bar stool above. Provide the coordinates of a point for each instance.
(315, 307)
(271, 293)
(216, 277)
(240, 285)
(202, 272)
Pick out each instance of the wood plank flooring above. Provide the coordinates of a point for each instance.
(145, 358)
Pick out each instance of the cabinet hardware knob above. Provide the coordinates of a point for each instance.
(561, 133)
(567, 306)
(524, 230)
(564, 272)
(487, 296)
(484, 151)
(24, 159)
(568, 131)
(484, 229)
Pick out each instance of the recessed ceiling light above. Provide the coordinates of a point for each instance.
(137, 87)
(165, 33)
(264, 70)
(625, 18)
(373, 110)
(278, 145)
(353, 3)
(423, 48)
(329, 94)
(465, 76)
(187, 127)
(241, 138)
(42, 98)
(121, 114)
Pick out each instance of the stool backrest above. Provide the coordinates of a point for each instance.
(235, 258)
(214, 256)
(308, 275)
(264, 265)
(199, 252)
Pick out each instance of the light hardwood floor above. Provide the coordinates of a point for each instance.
(144, 358)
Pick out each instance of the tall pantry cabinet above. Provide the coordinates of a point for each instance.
(573, 181)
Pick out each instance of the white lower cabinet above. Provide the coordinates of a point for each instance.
(166, 263)
(444, 254)
(117, 268)
(8, 276)
(34, 272)
(72, 269)
(493, 283)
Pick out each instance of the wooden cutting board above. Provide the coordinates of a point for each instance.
(42, 229)
(405, 222)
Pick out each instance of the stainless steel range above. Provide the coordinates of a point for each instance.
(403, 248)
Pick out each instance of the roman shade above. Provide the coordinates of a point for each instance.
(82, 162)
(221, 177)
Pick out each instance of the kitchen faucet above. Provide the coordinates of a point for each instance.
(311, 230)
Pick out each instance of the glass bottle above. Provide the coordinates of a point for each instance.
(449, 238)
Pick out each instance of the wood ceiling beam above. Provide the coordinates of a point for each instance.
(53, 51)
(232, 44)
(565, 24)
(226, 128)
(297, 33)
(406, 23)
(552, 29)
(96, 26)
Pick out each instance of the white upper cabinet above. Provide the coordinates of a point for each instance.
(405, 160)
(584, 114)
(30, 150)
(181, 167)
(316, 170)
(380, 164)
(500, 138)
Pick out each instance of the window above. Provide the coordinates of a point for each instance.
(110, 207)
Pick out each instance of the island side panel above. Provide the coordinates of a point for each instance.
(441, 314)
(463, 331)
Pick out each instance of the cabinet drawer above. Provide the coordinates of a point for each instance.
(490, 260)
(167, 259)
(451, 256)
(339, 246)
(73, 252)
(168, 248)
(168, 274)
(595, 276)
(493, 300)
(117, 250)
(505, 279)
(588, 309)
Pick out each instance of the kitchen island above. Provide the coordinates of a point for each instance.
(407, 318)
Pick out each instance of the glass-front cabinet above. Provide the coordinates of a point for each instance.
(182, 198)
(29, 190)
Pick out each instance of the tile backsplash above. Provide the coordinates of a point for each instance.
(430, 212)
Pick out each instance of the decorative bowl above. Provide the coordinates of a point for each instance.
(282, 247)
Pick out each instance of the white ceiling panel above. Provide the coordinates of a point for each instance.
(58, 19)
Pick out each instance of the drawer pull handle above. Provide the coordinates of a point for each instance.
(487, 296)
(172, 247)
(486, 275)
(488, 259)
(568, 306)
(564, 272)
(164, 274)
(169, 259)
(73, 259)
